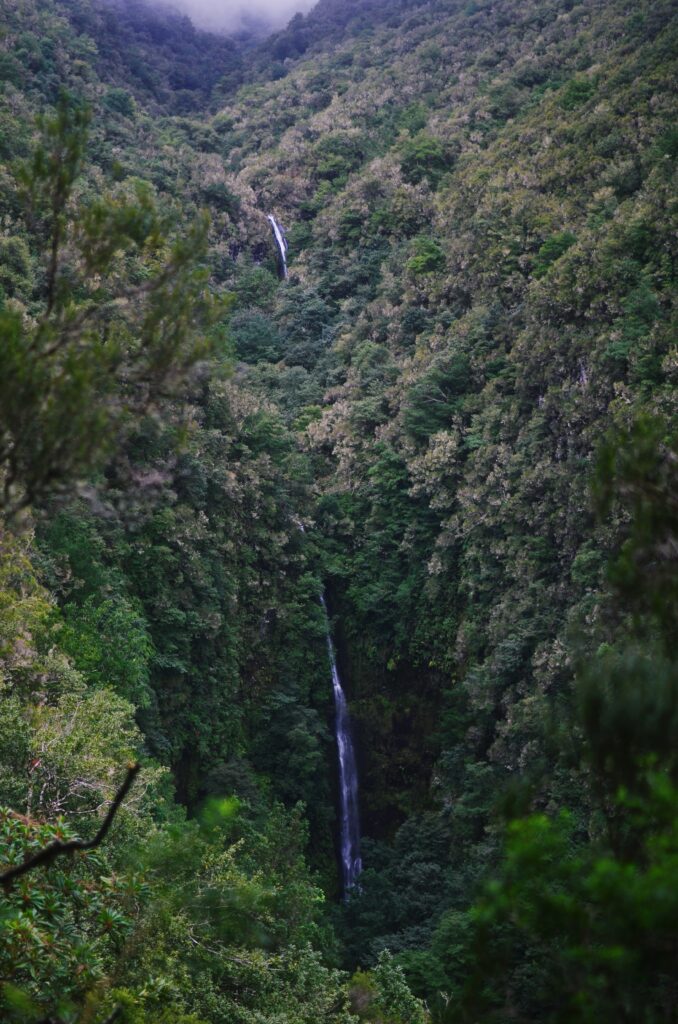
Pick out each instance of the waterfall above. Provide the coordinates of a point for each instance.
(281, 242)
(351, 864)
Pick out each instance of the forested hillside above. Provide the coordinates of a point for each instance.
(455, 418)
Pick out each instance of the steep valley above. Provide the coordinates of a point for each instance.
(380, 307)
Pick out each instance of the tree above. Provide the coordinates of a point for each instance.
(579, 923)
(424, 158)
(115, 316)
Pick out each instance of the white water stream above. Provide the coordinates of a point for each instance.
(351, 864)
(281, 242)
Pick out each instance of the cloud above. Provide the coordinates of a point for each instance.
(228, 15)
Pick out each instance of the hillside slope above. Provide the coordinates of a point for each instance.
(480, 287)
(480, 201)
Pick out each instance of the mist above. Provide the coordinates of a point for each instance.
(231, 15)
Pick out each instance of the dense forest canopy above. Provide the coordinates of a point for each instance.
(455, 418)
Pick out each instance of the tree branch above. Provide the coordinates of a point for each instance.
(56, 849)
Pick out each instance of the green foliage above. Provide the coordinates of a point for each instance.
(575, 926)
(255, 337)
(62, 371)
(109, 642)
(424, 158)
(120, 102)
(337, 155)
(428, 257)
(129, 915)
(595, 926)
(15, 266)
(382, 995)
(637, 467)
(667, 144)
(552, 249)
(58, 927)
(220, 198)
(437, 396)
(450, 358)
(576, 92)
(412, 118)
(255, 285)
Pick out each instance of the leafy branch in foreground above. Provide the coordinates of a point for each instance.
(44, 857)
(59, 925)
(119, 311)
(578, 923)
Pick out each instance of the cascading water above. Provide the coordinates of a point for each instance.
(281, 242)
(351, 864)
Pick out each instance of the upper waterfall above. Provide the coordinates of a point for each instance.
(281, 243)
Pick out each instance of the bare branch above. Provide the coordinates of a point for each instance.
(56, 849)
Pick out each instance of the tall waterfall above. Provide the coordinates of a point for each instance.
(351, 864)
(281, 242)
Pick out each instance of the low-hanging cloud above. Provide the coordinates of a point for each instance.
(231, 15)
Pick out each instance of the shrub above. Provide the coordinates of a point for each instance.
(576, 92)
(428, 257)
(552, 249)
(119, 101)
(424, 158)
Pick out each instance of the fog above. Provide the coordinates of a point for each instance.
(229, 15)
